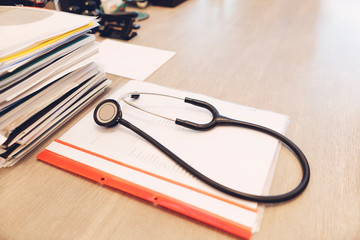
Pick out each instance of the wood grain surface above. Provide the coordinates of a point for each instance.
(300, 58)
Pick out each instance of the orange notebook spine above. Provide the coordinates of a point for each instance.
(144, 193)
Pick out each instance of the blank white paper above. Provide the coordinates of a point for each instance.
(130, 60)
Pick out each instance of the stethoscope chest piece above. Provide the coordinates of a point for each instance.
(107, 113)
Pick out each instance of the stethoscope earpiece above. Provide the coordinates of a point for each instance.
(107, 113)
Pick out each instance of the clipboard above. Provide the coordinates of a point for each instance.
(131, 165)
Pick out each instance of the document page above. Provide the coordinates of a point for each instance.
(130, 60)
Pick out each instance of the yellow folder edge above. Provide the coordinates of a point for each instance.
(46, 43)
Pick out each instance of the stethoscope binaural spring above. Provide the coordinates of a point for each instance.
(108, 114)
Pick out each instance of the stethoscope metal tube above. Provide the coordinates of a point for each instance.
(136, 95)
(108, 114)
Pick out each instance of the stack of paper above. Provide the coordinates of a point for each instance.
(47, 74)
(235, 157)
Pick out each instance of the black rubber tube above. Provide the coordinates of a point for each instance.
(220, 120)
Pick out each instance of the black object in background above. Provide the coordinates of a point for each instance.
(118, 25)
(7, 3)
(66, 4)
(167, 3)
(38, 3)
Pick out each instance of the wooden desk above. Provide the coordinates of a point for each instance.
(300, 58)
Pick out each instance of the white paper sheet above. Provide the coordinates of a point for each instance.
(130, 60)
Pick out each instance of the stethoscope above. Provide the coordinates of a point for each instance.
(108, 114)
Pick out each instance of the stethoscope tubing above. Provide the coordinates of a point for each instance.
(250, 197)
